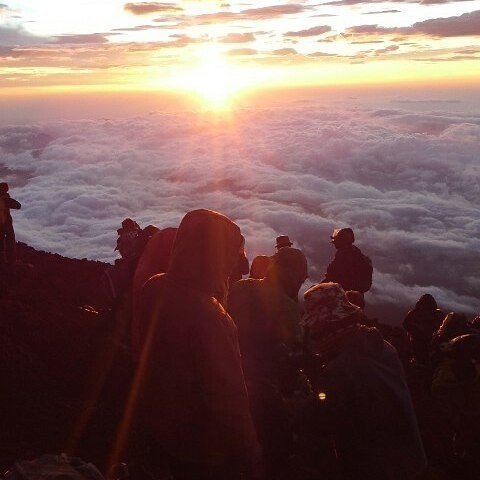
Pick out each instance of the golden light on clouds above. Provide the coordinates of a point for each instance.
(219, 49)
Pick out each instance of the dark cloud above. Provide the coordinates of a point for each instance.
(254, 14)
(310, 32)
(380, 12)
(390, 48)
(467, 24)
(238, 38)
(144, 8)
(406, 182)
(463, 25)
(16, 35)
(81, 39)
(368, 2)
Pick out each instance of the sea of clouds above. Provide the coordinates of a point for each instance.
(404, 177)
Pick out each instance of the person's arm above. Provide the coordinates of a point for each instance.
(13, 204)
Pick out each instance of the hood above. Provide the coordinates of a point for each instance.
(288, 269)
(427, 303)
(205, 252)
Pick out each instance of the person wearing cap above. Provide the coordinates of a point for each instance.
(365, 403)
(283, 241)
(7, 233)
(267, 315)
(350, 267)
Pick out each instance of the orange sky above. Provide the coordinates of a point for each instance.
(216, 49)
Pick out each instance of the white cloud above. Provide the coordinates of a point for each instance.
(406, 182)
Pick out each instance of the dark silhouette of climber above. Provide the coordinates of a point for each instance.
(7, 234)
(350, 267)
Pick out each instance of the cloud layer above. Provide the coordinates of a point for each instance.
(406, 181)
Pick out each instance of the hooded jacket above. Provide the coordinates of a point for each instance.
(267, 313)
(374, 423)
(194, 393)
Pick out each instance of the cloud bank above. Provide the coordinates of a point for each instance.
(406, 181)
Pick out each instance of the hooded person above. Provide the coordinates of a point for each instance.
(266, 310)
(7, 233)
(365, 397)
(259, 266)
(154, 259)
(267, 315)
(421, 323)
(194, 396)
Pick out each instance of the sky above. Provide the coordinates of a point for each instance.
(216, 48)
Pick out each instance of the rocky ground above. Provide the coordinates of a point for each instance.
(56, 351)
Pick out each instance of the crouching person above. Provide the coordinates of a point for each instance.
(362, 391)
(195, 402)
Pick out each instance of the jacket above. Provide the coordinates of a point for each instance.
(374, 422)
(194, 393)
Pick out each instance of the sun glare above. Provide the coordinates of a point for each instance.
(215, 79)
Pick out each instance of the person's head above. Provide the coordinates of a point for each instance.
(205, 252)
(327, 308)
(426, 302)
(356, 298)
(129, 224)
(259, 266)
(342, 237)
(150, 230)
(283, 241)
(288, 269)
(3, 188)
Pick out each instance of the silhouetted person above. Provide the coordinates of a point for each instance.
(350, 267)
(7, 233)
(194, 398)
(127, 238)
(154, 259)
(259, 266)
(283, 241)
(421, 323)
(364, 401)
(267, 316)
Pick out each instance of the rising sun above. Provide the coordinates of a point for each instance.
(215, 79)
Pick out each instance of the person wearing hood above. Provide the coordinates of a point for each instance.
(363, 392)
(267, 315)
(7, 234)
(421, 323)
(194, 397)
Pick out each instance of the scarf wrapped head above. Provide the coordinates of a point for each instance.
(326, 303)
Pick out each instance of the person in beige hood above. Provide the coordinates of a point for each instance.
(194, 394)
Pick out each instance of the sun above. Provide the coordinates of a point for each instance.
(215, 79)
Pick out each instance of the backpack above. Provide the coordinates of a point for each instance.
(363, 269)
